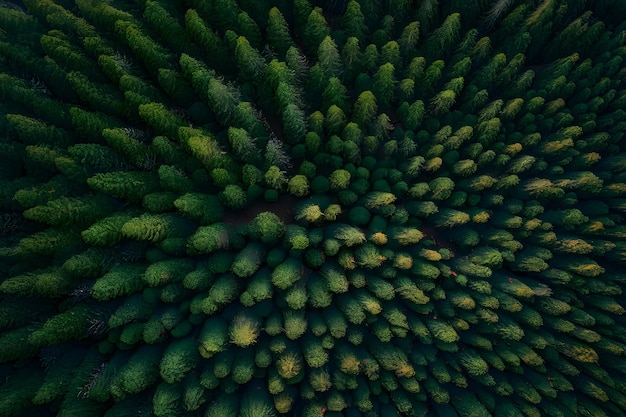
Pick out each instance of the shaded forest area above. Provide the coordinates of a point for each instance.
(379, 208)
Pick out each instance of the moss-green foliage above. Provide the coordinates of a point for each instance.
(248, 261)
(239, 208)
(199, 206)
(287, 273)
(178, 359)
(267, 227)
(207, 239)
(119, 281)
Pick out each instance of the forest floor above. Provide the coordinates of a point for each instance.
(283, 208)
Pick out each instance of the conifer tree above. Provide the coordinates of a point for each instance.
(278, 32)
(365, 108)
(315, 29)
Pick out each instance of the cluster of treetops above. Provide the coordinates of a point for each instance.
(374, 208)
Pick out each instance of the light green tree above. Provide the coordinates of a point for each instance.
(365, 108)
(384, 83)
(243, 331)
(298, 185)
(311, 213)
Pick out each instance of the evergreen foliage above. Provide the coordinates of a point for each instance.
(272, 208)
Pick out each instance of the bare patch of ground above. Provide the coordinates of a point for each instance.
(283, 208)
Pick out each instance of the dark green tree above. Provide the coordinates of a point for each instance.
(249, 60)
(315, 29)
(278, 32)
(354, 20)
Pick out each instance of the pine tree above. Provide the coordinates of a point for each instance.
(315, 29)
(248, 261)
(443, 37)
(66, 211)
(209, 238)
(276, 158)
(328, 57)
(354, 20)
(334, 95)
(365, 108)
(153, 227)
(249, 60)
(351, 57)
(278, 32)
(384, 84)
(117, 282)
(294, 124)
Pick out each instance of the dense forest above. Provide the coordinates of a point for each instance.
(379, 208)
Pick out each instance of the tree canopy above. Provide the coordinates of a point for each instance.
(317, 208)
